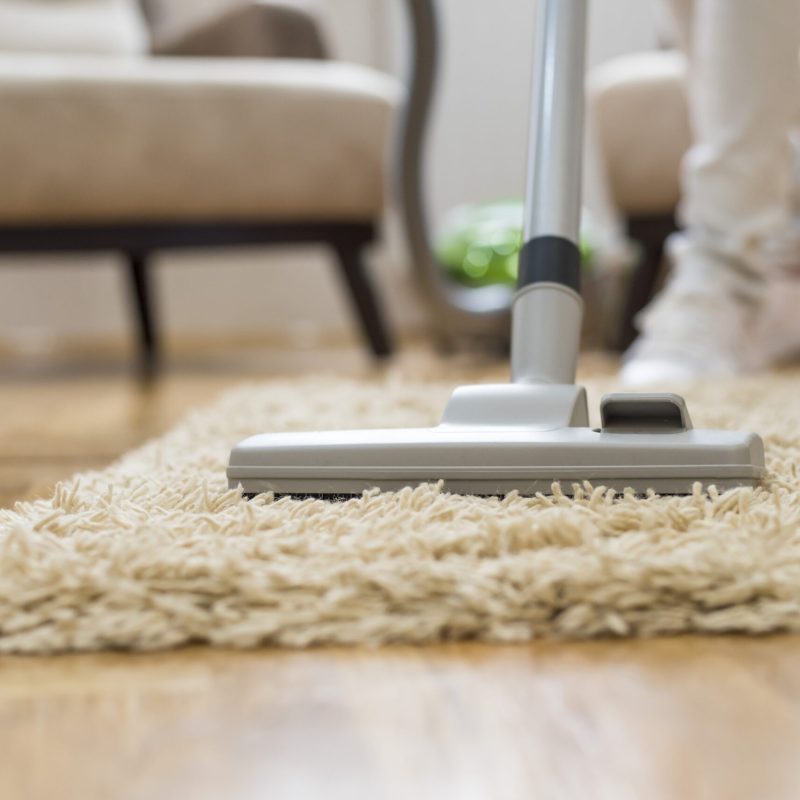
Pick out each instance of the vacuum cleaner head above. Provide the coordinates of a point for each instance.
(535, 431)
(496, 439)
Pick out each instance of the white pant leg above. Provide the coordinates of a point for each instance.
(736, 178)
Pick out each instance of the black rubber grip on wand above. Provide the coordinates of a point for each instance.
(550, 259)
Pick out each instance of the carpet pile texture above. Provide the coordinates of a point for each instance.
(155, 552)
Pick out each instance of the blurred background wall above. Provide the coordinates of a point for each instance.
(476, 153)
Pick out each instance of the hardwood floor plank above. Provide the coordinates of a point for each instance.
(685, 718)
(671, 719)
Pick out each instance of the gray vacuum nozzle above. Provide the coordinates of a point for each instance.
(496, 439)
(534, 432)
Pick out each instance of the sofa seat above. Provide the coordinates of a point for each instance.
(88, 139)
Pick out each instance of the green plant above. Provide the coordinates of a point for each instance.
(480, 244)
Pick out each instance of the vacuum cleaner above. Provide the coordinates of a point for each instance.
(533, 432)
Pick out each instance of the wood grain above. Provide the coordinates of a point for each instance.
(58, 417)
(665, 719)
(681, 718)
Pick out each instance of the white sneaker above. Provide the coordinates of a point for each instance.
(690, 332)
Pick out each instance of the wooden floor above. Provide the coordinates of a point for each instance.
(683, 718)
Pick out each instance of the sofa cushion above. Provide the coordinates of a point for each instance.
(248, 28)
(170, 19)
(72, 26)
(638, 106)
(87, 139)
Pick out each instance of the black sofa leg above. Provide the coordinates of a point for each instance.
(651, 234)
(364, 300)
(141, 293)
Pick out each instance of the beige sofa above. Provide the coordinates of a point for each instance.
(103, 146)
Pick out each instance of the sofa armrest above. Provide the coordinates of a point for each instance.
(249, 29)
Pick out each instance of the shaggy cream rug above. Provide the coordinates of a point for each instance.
(155, 552)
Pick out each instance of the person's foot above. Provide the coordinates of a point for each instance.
(687, 333)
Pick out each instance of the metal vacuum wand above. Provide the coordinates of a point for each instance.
(548, 309)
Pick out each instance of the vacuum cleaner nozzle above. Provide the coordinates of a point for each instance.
(534, 432)
(496, 439)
